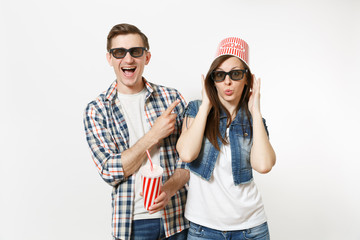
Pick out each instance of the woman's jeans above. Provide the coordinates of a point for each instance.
(198, 232)
(152, 229)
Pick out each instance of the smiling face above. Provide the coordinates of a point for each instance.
(128, 70)
(229, 91)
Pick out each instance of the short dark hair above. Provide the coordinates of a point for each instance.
(123, 29)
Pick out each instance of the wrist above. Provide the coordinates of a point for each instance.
(169, 188)
(151, 138)
(256, 115)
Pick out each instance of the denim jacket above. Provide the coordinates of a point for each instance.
(240, 144)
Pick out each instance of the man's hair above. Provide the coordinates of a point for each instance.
(123, 29)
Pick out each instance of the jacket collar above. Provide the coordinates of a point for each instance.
(240, 116)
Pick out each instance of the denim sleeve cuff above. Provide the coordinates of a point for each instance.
(192, 109)
(266, 128)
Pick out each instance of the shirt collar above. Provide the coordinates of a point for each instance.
(111, 93)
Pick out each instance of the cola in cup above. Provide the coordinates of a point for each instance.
(150, 180)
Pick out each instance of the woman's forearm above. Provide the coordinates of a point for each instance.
(190, 141)
(262, 156)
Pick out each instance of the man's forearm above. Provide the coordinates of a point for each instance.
(164, 125)
(176, 181)
(133, 157)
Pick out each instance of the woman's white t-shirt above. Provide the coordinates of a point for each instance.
(219, 204)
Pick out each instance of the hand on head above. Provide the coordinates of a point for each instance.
(254, 100)
(205, 98)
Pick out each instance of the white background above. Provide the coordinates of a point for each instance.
(52, 60)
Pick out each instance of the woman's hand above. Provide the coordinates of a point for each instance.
(254, 100)
(205, 99)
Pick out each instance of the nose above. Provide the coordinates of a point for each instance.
(227, 80)
(128, 58)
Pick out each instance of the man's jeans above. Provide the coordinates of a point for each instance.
(198, 232)
(153, 229)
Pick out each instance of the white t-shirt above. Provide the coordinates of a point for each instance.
(221, 205)
(133, 106)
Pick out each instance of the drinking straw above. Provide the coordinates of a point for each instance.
(151, 164)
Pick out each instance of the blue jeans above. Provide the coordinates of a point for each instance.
(153, 229)
(198, 232)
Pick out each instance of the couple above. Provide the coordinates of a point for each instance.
(219, 139)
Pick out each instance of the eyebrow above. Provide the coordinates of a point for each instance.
(234, 68)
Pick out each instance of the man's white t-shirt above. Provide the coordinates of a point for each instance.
(133, 108)
(221, 205)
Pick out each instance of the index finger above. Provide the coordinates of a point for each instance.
(172, 106)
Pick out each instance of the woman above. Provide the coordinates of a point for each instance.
(223, 138)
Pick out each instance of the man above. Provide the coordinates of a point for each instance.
(133, 116)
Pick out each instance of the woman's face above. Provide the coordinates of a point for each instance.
(229, 91)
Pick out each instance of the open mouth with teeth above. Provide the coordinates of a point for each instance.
(128, 71)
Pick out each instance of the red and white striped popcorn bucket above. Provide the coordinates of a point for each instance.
(234, 46)
(150, 180)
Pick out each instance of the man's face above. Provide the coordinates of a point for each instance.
(129, 69)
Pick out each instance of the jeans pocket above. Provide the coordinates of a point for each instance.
(260, 232)
(195, 230)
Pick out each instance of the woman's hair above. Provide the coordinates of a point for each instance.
(212, 131)
(123, 29)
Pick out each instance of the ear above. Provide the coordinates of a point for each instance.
(148, 56)
(108, 58)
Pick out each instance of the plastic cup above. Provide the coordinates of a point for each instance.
(150, 184)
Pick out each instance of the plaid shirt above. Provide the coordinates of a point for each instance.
(108, 136)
